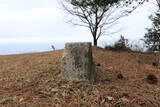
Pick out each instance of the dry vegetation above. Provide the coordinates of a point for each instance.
(34, 80)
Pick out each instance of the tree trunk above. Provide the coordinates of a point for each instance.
(95, 41)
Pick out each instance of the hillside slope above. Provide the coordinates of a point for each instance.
(34, 80)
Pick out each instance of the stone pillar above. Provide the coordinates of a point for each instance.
(77, 62)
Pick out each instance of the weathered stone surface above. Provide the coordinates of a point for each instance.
(77, 62)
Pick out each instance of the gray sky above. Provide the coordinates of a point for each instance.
(42, 22)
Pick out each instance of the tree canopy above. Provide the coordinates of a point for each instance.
(152, 37)
(98, 15)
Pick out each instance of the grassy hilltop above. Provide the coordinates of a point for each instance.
(34, 80)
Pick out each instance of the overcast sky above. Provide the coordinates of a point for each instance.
(33, 25)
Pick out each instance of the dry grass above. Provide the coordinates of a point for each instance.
(34, 80)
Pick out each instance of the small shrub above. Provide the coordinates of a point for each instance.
(120, 76)
(152, 79)
(156, 63)
(98, 64)
(120, 45)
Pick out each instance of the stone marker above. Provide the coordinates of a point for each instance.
(77, 62)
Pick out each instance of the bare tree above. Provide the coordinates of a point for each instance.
(158, 3)
(98, 15)
(53, 47)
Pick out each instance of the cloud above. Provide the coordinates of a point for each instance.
(45, 13)
(28, 17)
(20, 5)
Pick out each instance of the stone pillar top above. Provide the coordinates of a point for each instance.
(78, 43)
(74, 44)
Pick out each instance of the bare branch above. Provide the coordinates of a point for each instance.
(96, 14)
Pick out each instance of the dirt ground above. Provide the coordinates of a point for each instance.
(34, 80)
